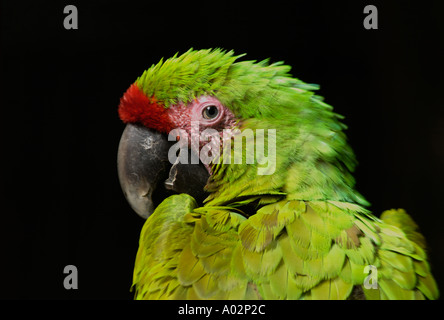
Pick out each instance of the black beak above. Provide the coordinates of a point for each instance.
(147, 176)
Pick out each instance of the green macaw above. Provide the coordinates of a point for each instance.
(291, 228)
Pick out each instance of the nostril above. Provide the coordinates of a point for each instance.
(146, 193)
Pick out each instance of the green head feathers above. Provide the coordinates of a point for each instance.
(185, 77)
(248, 88)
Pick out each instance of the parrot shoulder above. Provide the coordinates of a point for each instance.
(163, 234)
(187, 252)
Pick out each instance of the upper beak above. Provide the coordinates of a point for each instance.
(147, 176)
(142, 161)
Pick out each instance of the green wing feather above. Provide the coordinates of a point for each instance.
(287, 250)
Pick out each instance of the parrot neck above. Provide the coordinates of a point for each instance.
(306, 166)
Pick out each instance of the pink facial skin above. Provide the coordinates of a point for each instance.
(182, 116)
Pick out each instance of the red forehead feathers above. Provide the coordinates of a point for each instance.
(136, 107)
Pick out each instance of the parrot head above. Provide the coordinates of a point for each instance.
(204, 90)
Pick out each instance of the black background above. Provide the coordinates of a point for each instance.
(61, 202)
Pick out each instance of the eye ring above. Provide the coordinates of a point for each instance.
(210, 112)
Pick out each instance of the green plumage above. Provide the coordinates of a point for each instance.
(309, 236)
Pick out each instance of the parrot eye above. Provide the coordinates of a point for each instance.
(210, 112)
